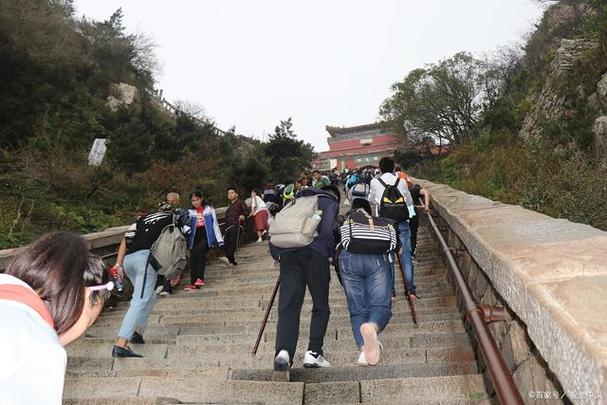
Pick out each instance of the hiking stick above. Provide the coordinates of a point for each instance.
(407, 293)
(266, 316)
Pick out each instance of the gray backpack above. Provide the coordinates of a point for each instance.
(295, 225)
(168, 253)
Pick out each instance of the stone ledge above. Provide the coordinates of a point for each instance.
(96, 240)
(551, 272)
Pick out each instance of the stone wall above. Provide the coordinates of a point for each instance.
(550, 275)
(547, 105)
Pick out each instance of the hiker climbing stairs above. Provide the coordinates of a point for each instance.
(198, 346)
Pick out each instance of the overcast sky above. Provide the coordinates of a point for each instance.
(331, 62)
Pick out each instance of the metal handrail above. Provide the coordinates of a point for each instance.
(505, 388)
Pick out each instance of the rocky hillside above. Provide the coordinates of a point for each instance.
(542, 142)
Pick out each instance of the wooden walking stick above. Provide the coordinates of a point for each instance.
(266, 316)
(408, 295)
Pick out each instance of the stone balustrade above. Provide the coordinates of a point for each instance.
(551, 275)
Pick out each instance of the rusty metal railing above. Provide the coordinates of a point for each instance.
(479, 316)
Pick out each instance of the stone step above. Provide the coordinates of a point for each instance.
(444, 388)
(244, 343)
(400, 323)
(269, 270)
(415, 341)
(392, 355)
(82, 348)
(345, 334)
(189, 389)
(224, 316)
(246, 290)
(177, 305)
(447, 390)
(198, 346)
(228, 316)
(171, 331)
(202, 303)
(404, 329)
(228, 321)
(142, 369)
(357, 373)
(339, 319)
(270, 280)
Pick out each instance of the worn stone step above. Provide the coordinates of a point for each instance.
(392, 355)
(208, 310)
(399, 322)
(141, 370)
(119, 401)
(244, 342)
(417, 341)
(204, 303)
(422, 391)
(357, 373)
(392, 329)
(81, 348)
(445, 388)
(339, 319)
(178, 305)
(188, 389)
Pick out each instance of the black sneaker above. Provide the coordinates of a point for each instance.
(137, 338)
(281, 367)
(118, 351)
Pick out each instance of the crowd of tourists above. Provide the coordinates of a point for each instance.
(53, 290)
(364, 245)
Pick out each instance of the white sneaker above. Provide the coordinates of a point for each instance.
(159, 289)
(372, 347)
(315, 360)
(225, 261)
(259, 240)
(282, 363)
(362, 361)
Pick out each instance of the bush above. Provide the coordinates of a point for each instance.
(538, 177)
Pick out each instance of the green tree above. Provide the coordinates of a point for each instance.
(443, 100)
(288, 155)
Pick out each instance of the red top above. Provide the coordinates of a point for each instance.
(199, 217)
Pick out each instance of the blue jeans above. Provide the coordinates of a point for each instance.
(404, 233)
(367, 282)
(140, 308)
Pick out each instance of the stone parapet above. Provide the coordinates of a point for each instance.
(99, 242)
(551, 274)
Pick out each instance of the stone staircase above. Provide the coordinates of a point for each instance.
(198, 347)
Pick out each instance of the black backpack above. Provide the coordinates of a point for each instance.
(361, 233)
(393, 205)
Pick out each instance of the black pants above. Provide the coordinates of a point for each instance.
(198, 255)
(414, 225)
(230, 241)
(298, 269)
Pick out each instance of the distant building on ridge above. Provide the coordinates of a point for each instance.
(358, 146)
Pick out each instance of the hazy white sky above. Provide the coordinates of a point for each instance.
(252, 63)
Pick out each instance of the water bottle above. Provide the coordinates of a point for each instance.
(116, 278)
(317, 215)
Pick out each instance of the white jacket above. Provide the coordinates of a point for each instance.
(32, 361)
